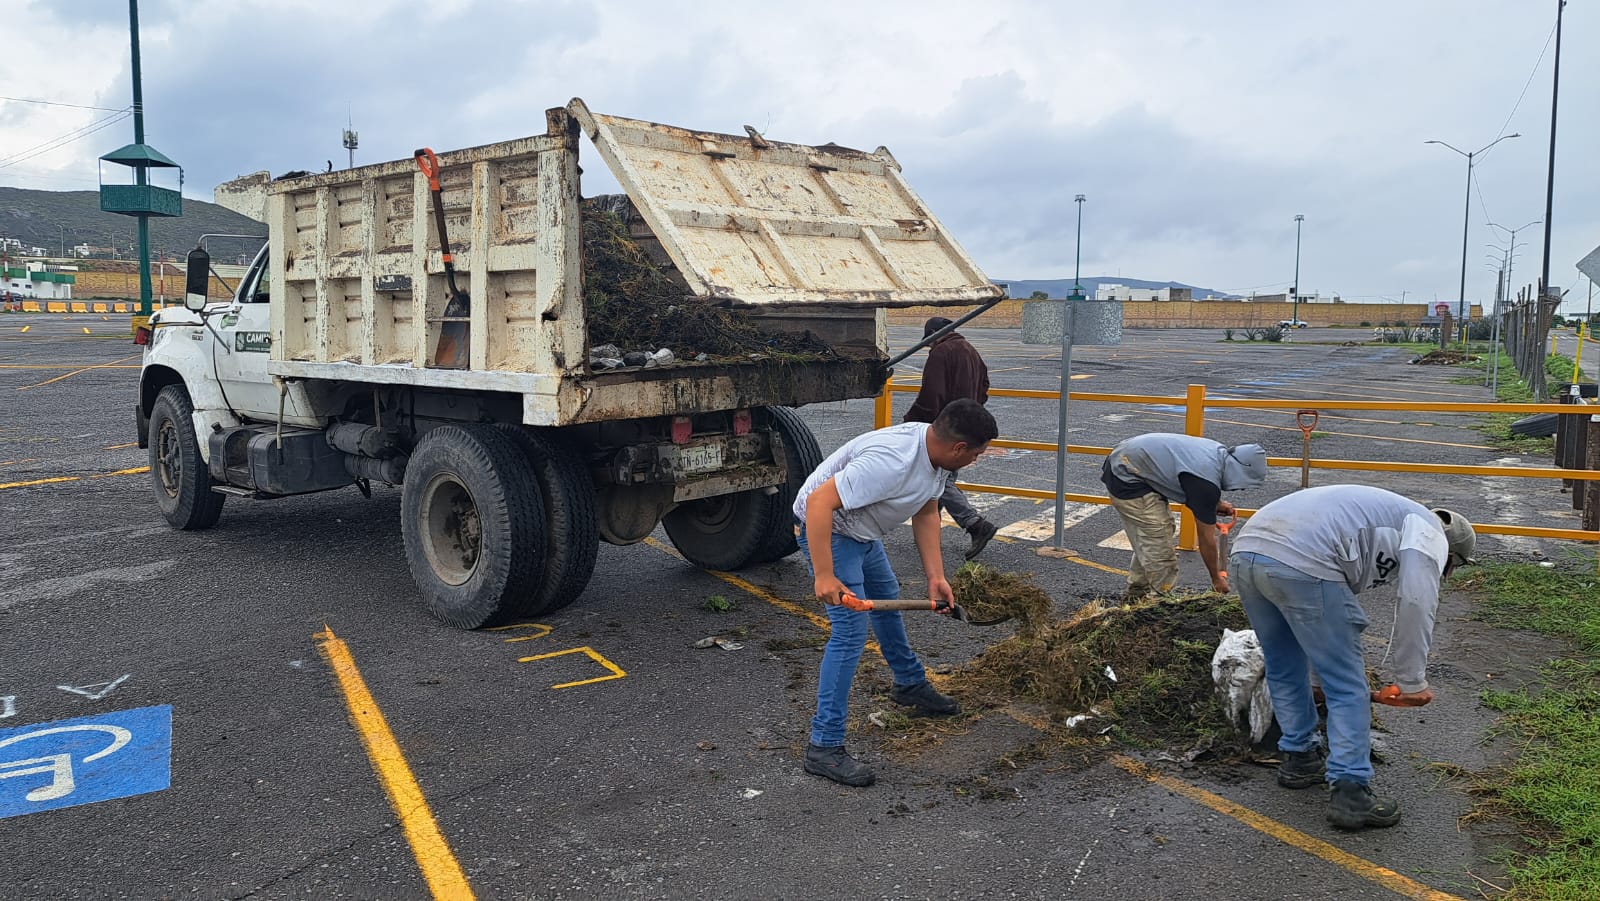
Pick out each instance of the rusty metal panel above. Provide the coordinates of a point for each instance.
(749, 221)
(358, 274)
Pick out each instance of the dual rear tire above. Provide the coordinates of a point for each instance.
(499, 523)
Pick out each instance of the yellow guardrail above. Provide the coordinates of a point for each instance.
(1194, 404)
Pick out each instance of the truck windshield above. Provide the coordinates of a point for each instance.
(257, 285)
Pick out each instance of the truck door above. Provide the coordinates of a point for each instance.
(241, 360)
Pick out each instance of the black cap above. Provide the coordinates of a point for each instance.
(933, 325)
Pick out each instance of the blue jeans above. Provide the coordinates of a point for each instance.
(864, 568)
(1299, 618)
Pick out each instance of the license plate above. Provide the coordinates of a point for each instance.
(700, 459)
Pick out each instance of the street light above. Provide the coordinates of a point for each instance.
(1294, 315)
(1511, 248)
(1466, 220)
(1077, 257)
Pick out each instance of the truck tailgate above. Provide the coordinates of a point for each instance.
(754, 222)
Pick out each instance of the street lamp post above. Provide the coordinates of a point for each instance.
(1466, 221)
(1077, 256)
(1294, 314)
(1069, 311)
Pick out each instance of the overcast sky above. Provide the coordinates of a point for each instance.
(1197, 128)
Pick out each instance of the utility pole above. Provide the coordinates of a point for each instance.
(141, 174)
(1550, 175)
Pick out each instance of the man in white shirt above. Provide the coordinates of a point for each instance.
(861, 491)
(1298, 565)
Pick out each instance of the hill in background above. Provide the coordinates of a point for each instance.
(1061, 287)
(50, 218)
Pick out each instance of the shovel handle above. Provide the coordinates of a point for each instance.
(852, 602)
(428, 162)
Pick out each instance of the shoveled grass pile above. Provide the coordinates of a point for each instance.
(1144, 667)
(637, 306)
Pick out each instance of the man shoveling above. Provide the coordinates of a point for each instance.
(861, 491)
(1146, 472)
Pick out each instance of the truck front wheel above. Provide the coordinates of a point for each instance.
(473, 521)
(180, 477)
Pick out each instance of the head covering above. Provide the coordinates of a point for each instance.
(1244, 466)
(1459, 534)
(933, 325)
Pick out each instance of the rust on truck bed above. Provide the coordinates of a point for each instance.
(683, 390)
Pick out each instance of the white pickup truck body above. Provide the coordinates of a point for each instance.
(323, 372)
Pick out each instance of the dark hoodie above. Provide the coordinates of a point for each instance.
(954, 370)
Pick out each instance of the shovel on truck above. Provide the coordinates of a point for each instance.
(455, 344)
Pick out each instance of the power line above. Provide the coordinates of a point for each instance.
(63, 140)
(1529, 82)
(104, 109)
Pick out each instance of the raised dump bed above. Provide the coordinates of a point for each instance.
(794, 240)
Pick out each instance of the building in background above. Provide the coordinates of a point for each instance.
(1114, 291)
(34, 282)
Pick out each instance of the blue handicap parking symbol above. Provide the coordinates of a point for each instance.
(83, 760)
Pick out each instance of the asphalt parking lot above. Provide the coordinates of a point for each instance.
(597, 752)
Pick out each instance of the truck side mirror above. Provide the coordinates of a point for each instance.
(197, 283)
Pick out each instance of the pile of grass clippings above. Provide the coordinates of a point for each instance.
(989, 594)
(1145, 666)
(636, 306)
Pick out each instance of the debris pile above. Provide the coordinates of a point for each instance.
(639, 315)
(1444, 358)
(989, 594)
(1144, 666)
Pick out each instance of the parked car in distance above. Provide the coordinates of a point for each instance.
(1293, 323)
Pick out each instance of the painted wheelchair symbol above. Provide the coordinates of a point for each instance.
(59, 766)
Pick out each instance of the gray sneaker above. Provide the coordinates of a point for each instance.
(925, 698)
(836, 764)
(1303, 769)
(1352, 805)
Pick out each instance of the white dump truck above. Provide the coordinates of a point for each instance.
(350, 353)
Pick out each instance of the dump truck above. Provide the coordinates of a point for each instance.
(426, 324)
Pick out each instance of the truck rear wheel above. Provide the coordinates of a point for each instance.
(572, 531)
(722, 532)
(180, 476)
(473, 519)
(802, 457)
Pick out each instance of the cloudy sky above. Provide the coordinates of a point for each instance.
(1197, 128)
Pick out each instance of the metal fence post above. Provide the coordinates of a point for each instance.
(1194, 423)
(883, 406)
(1591, 487)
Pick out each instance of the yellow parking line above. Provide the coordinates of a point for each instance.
(121, 446)
(69, 375)
(38, 482)
(438, 863)
(68, 366)
(1389, 879)
(817, 620)
(116, 472)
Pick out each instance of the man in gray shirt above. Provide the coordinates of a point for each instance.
(1146, 472)
(1298, 564)
(869, 486)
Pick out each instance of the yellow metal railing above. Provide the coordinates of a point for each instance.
(1195, 402)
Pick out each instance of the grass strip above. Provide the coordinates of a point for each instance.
(1554, 785)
